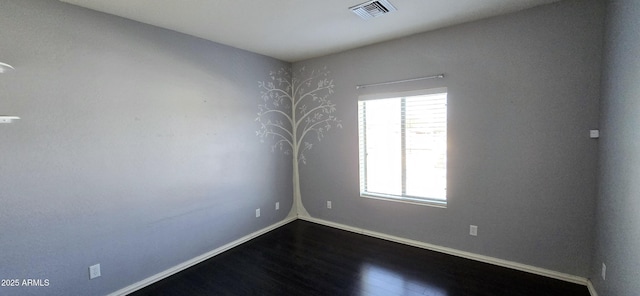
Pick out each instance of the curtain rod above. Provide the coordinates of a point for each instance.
(439, 76)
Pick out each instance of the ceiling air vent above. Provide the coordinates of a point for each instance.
(371, 9)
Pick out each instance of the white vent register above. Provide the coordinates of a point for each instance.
(374, 8)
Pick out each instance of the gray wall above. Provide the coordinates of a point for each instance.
(618, 215)
(523, 94)
(136, 148)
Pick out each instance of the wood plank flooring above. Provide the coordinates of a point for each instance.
(303, 258)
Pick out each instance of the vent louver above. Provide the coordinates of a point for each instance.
(374, 8)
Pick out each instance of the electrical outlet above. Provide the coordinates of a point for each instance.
(328, 204)
(473, 230)
(277, 206)
(94, 271)
(257, 213)
(604, 271)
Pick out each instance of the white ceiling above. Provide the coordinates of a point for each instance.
(294, 30)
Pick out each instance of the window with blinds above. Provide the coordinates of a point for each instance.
(403, 148)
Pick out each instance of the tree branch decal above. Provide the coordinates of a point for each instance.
(291, 109)
(294, 108)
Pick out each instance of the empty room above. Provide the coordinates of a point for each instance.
(335, 147)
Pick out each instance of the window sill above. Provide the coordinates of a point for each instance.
(408, 200)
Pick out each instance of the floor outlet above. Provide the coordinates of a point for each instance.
(257, 213)
(94, 271)
(277, 206)
(328, 204)
(473, 230)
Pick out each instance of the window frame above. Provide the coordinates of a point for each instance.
(409, 199)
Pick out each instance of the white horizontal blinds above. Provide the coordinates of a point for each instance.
(380, 154)
(403, 146)
(362, 142)
(426, 146)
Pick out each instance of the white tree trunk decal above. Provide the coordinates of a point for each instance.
(293, 110)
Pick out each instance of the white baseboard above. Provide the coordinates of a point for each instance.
(182, 266)
(592, 290)
(458, 253)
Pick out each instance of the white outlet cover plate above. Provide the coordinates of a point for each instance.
(94, 271)
(257, 213)
(473, 230)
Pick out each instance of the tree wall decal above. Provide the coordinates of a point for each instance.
(295, 112)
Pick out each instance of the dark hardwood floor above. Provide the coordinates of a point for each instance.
(303, 258)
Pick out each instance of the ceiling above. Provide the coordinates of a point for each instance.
(294, 30)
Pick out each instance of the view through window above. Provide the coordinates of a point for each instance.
(403, 148)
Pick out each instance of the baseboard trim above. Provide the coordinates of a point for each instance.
(454, 252)
(592, 289)
(182, 266)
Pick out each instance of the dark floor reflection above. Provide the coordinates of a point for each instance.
(378, 280)
(306, 259)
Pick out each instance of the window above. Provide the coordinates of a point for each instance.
(403, 148)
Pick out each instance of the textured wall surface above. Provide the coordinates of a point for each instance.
(523, 93)
(618, 215)
(136, 148)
